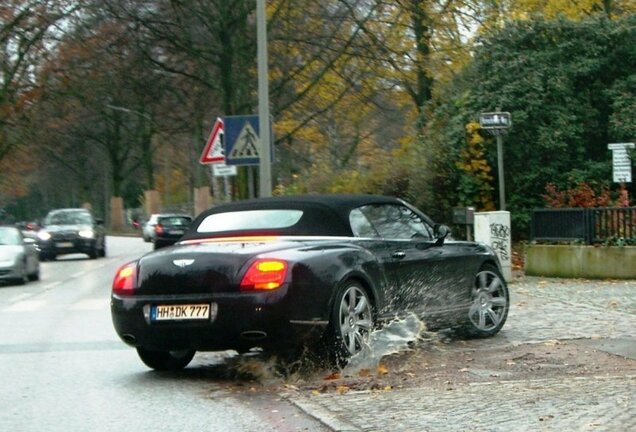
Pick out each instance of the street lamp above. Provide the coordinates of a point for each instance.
(265, 171)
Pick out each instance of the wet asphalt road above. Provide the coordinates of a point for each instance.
(63, 368)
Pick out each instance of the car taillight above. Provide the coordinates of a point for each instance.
(264, 274)
(158, 228)
(124, 282)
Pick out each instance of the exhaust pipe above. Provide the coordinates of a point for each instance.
(254, 335)
(129, 339)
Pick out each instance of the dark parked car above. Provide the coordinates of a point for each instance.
(281, 272)
(169, 229)
(19, 261)
(71, 230)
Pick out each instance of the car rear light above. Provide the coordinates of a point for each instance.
(124, 282)
(264, 274)
(158, 229)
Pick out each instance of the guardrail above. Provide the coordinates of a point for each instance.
(588, 225)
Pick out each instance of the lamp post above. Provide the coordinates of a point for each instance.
(265, 168)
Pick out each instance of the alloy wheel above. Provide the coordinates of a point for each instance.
(355, 318)
(490, 302)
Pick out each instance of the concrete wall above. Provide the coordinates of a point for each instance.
(579, 261)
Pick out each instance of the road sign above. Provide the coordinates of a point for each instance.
(213, 152)
(242, 142)
(222, 170)
(621, 162)
(495, 120)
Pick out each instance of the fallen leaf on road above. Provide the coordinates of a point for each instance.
(382, 370)
(365, 372)
(342, 389)
(333, 376)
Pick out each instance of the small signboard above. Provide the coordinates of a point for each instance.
(495, 120)
(213, 152)
(222, 170)
(621, 162)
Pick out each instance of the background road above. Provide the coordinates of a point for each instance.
(63, 368)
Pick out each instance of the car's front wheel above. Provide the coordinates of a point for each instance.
(165, 360)
(489, 303)
(351, 321)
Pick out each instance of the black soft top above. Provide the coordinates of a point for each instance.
(323, 215)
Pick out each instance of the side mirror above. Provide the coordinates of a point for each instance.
(99, 221)
(441, 232)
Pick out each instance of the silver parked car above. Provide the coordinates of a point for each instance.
(148, 228)
(19, 260)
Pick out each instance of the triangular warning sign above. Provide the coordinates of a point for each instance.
(213, 151)
(247, 144)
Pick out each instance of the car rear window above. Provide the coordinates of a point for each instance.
(250, 220)
(175, 220)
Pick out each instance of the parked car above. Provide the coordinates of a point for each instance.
(279, 273)
(19, 261)
(148, 228)
(71, 230)
(169, 229)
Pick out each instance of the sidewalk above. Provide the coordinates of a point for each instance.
(589, 386)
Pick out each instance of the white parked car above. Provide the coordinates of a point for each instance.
(19, 260)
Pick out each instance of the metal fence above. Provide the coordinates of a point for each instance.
(588, 225)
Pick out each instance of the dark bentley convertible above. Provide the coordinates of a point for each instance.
(279, 272)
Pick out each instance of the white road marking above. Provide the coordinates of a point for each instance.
(25, 306)
(19, 297)
(52, 284)
(76, 275)
(91, 304)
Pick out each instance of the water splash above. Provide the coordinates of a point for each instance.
(393, 338)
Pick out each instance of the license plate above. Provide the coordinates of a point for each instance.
(180, 312)
(176, 232)
(64, 244)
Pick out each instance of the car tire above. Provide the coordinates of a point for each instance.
(490, 302)
(165, 360)
(102, 251)
(24, 277)
(94, 253)
(36, 274)
(350, 323)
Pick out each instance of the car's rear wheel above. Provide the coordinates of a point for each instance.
(489, 303)
(165, 360)
(351, 321)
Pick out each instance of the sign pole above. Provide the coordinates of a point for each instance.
(500, 170)
(497, 123)
(265, 171)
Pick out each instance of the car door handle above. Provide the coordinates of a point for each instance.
(399, 255)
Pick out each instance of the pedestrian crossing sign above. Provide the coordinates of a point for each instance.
(242, 140)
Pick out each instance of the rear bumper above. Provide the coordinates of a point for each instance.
(242, 321)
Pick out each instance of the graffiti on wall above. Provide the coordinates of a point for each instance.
(500, 239)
